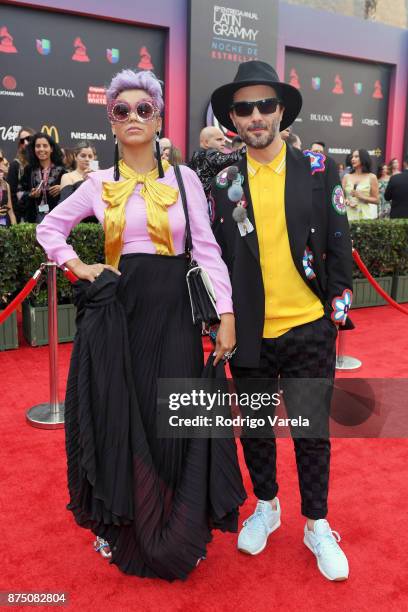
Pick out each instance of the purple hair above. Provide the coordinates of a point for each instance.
(129, 79)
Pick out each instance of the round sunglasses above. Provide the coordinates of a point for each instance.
(119, 111)
(266, 106)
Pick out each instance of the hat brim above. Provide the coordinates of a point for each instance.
(222, 99)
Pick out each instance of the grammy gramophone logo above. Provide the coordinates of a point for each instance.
(52, 131)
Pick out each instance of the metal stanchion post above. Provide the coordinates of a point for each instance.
(345, 363)
(51, 415)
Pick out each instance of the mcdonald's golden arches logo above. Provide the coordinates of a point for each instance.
(52, 131)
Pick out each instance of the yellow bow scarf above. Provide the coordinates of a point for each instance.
(157, 196)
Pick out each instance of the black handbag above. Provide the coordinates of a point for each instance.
(200, 288)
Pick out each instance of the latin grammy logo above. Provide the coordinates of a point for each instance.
(338, 85)
(51, 130)
(294, 79)
(377, 91)
(6, 41)
(80, 54)
(145, 62)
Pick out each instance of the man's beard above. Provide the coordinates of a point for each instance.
(259, 141)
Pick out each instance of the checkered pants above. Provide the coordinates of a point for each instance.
(306, 351)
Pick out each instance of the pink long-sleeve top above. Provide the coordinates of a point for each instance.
(53, 231)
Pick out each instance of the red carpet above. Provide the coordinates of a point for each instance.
(42, 549)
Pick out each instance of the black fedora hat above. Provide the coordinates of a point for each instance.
(256, 73)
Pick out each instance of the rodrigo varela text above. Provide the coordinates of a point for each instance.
(238, 421)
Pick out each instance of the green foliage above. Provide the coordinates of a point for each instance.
(88, 242)
(21, 256)
(382, 245)
(8, 268)
(30, 256)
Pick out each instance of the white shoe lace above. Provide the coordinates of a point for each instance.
(329, 541)
(257, 520)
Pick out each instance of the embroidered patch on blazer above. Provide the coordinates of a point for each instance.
(316, 161)
(307, 264)
(221, 180)
(341, 306)
(338, 200)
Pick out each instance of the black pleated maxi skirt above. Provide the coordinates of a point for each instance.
(154, 500)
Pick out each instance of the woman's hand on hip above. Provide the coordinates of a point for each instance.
(226, 340)
(88, 272)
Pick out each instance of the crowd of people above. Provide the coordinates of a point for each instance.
(43, 174)
(367, 193)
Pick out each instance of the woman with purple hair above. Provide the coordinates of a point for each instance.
(151, 502)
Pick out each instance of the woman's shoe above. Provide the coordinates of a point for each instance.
(102, 546)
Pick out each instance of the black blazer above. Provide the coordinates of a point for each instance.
(397, 191)
(312, 221)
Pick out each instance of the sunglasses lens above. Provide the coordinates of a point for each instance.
(268, 106)
(265, 107)
(244, 109)
(120, 112)
(145, 111)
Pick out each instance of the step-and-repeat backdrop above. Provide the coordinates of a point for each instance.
(345, 103)
(222, 35)
(54, 68)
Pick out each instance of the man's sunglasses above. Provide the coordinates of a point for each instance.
(119, 111)
(25, 139)
(266, 106)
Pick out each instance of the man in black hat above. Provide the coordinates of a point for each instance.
(280, 219)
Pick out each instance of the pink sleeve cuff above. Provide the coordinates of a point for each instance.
(224, 305)
(65, 255)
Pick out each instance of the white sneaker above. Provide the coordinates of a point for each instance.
(258, 527)
(323, 542)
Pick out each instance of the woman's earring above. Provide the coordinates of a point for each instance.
(158, 156)
(116, 172)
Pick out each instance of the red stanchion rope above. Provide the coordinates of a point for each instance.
(374, 283)
(69, 275)
(4, 314)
